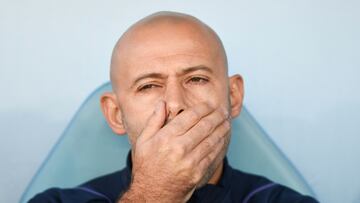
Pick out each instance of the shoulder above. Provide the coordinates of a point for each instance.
(102, 189)
(255, 188)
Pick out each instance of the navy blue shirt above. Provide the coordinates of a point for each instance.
(234, 186)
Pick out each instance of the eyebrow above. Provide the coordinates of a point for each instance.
(162, 76)
(196, 68)
(148, 75)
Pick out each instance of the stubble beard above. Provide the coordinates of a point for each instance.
(215, 164)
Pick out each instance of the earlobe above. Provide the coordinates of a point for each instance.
(236, 91)
(112, 112)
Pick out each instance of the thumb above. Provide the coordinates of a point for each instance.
(155, 121)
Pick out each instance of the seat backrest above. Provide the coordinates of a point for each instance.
(88, 148)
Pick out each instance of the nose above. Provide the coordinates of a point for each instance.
(175, 100)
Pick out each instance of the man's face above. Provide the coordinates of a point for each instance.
(182, 68)
(180, 62)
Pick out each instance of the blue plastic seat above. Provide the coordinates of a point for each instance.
(88, 148)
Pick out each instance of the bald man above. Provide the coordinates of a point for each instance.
(174, 99)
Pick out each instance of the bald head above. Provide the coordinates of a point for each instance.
(163, 34)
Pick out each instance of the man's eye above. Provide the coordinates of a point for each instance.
(198, 80)
(147, 87)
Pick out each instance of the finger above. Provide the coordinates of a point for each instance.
(203, 129)
(217, 151)
(154, 123)
(188, 118)
(211, 142)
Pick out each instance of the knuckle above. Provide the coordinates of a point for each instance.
(179, 150)
(206, 106)
(194, 115)
(206, 125)
(188, 164)
(172, 125)
(172, 129)
(207, 144)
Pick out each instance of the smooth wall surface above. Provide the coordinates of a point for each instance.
(300, 61)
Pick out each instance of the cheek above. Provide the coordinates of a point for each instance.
(215, 95)
(135, 116)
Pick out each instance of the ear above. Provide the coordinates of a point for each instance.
(112, 112)
(236, 90)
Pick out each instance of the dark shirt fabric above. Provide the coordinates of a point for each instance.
(234, 186)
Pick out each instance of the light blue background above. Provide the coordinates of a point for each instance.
(300, 61)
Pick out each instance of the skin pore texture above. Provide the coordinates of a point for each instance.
(174, 99)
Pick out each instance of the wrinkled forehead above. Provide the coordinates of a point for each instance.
(154, 45)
